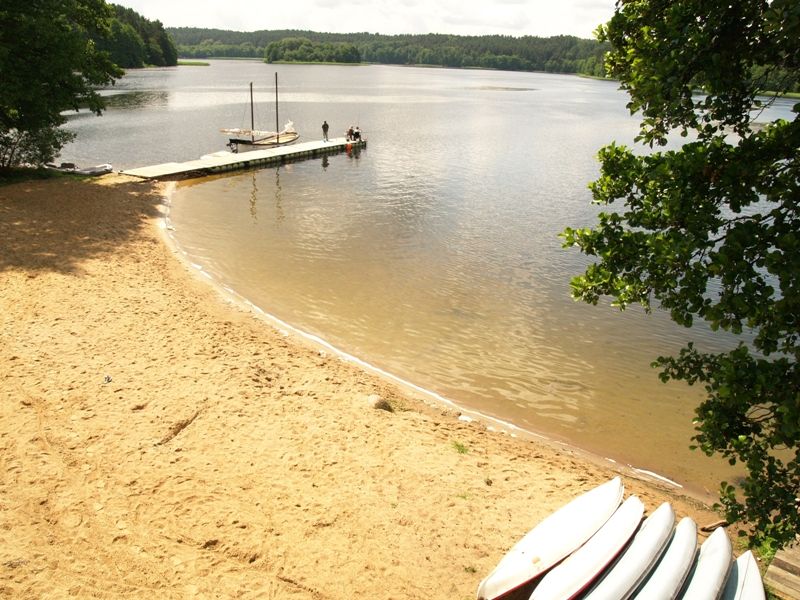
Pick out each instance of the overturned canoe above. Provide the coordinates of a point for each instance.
(552, 540)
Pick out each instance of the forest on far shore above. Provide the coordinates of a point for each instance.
(559, 54)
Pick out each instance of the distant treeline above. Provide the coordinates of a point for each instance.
(298, 49)
(774, 78)
(138, 42)
(560, 54)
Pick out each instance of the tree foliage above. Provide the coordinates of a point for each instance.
(711, 231)
(49, 63)
(159, 49)
(136, 42)
(563, 54)
(304, 50)
(124, 45)
(32, 147)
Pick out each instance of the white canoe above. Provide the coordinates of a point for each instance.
(744, 580)
(667, 577)
(96, 170)
(579, 571)
(710, 570)
(553, 539)
(639, 557)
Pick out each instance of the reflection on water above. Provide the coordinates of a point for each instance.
(505, 89)
(137, 99)
(464, 295)
(254, 196)
(433, 253)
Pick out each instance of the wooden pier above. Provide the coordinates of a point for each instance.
(783, 574)
(227, 161)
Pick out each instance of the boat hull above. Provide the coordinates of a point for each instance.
(246, 145)
(744, 580)
(710, 571)
(638, 559)
(667, 576)
(553, 539)
(573, 576)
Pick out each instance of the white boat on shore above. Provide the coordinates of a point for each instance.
(89, 171)
(580, 569)
(709, 573)
(638, 559)
(594, 548)
(744, 580)
(666, 578)
(552, 540)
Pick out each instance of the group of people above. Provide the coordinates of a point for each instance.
(353, 133)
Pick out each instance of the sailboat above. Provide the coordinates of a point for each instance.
(254, 139)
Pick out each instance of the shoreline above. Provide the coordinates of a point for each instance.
(160, 438)
(428, 396)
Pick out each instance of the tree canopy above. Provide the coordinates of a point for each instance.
(49, 63)
(711, 230)
(304, 50)
(136, 41)
(54, 56)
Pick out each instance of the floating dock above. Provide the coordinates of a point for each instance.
(228, 161)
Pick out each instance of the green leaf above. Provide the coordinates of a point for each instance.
(708, 231)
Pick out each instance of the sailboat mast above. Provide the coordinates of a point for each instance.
(277, 125)
(252, 118)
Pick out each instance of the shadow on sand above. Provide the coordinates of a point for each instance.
(57, 224)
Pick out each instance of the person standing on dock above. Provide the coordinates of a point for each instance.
(324, 131)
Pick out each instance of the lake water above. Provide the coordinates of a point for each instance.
(433, 253)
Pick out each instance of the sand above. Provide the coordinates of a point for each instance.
(160, 441)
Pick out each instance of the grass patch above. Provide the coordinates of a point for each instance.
(766, 550)
(250, 58)
(193, 63)
(595, 77)
(19, 174)
(316, 62)
(779, 94)
(460, 448)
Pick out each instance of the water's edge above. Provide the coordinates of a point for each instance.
(427, 396)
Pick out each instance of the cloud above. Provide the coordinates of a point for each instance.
(493, 23)
(461, 17)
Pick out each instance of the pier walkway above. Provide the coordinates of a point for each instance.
(227, 161)
(783, 574)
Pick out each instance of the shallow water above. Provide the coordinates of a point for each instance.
(433, 253)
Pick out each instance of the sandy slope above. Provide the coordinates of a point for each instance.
(157, 441)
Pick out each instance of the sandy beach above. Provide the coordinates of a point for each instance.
(161, 441)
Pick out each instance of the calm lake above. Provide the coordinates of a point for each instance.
(433, 253)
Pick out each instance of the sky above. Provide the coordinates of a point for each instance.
(542, 18)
